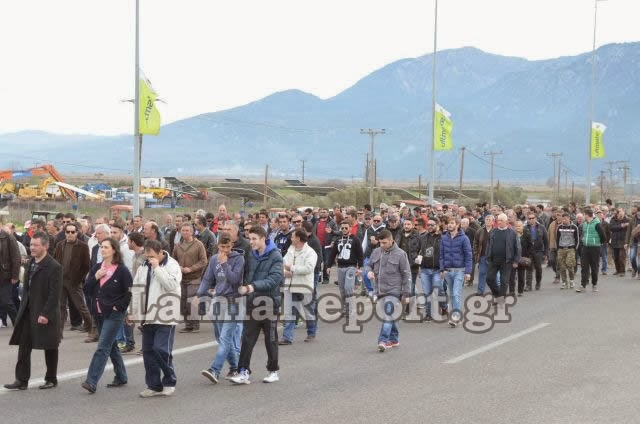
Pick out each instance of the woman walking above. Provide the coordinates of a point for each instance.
(109, 283)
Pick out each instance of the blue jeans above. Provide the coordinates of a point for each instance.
(107, 348)
(157, 352)
(455, 280)
(389, 330)
(430, 279)
(367, 282)
(603, 257)
(291, 318)
(125, 335)
(228, 331)
(633, 253)
(482, 274)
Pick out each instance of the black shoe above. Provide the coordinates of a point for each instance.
(284, 342)
(17, 385)
(76, 328)
(116, 383)
(537, 287)
(48, 385)
(88, 387)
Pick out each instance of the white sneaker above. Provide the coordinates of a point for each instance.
(571, 284)
(168, 391)
(241, 378)
(272, 377)
(147, 393)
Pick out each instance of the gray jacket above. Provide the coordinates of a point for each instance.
(392, 271)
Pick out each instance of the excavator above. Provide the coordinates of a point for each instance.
(46, 189)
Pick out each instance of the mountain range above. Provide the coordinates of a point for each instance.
(522, 109)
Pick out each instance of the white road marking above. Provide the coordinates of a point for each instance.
(496, 343)
(128, 362)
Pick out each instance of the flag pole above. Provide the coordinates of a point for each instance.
(433, 108)
(593, 83)
(137, 137)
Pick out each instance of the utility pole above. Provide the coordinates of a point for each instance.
(493, 155)
(558, 186)
(264, 198)
(625, 170)
(372, 167)
(556, 172)
(419, 183)
(366, 170)
(462, 149)
(566, 178)
(303, 161)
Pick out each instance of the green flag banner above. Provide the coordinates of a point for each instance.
(149, 115)
(442, 129)
(597, 146)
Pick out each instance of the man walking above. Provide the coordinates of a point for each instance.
(73, 254)
(37, 325)
(192, 258)
(10, 260)
(224, 274)
(455, 265)
(592, 239)
(264, 277)
(503, 255)
(540, 242)
(156, 303)
(347, 252)
(567, 239)
(389, 269)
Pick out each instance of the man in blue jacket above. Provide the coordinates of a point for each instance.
(455, 265)
(264, 276)
(224, 274)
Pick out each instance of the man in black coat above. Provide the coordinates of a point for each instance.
(38, 322)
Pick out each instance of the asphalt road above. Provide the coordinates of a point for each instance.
(565, 357)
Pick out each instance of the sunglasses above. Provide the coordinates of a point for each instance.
(70, 232)
(377, 220)
(431, 225)
(297, 222)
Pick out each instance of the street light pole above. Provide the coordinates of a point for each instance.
(433, 106)
(593, 84)
(372, 167)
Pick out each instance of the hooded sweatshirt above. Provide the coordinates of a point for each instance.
(225, 278)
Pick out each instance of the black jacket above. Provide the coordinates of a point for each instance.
(430, 250)
(314, 243)
(410, 245)
(115, 292)
(9, 258)
(266, 274)
(41, 296)
(541, 243)
(352, 256)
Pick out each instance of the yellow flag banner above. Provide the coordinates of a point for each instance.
(149, 115)
(442, 129)
(597, 146)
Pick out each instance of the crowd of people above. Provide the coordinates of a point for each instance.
(111, 276)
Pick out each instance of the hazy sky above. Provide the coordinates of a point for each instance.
(67, 64)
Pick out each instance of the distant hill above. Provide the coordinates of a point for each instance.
(523, 108)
